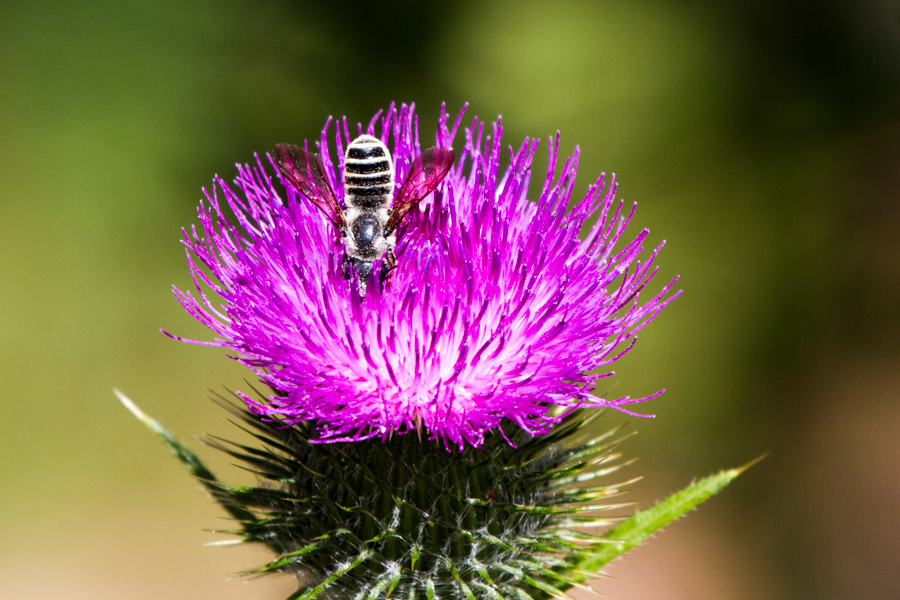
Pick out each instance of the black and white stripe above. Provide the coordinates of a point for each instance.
(368, 173)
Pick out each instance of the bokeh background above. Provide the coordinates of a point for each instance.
(761, 139)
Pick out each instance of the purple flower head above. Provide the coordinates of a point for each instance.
(497, 309)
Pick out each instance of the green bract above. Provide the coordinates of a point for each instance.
(409, 519)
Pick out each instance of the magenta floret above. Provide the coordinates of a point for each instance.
(497, 310)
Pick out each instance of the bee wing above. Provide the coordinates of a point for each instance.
(305, 172)
(427, 171)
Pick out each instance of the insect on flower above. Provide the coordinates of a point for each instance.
(505, 310)
(368, 223)
(485, 304)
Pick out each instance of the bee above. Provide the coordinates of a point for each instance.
(368, 220)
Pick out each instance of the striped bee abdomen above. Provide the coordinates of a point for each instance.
(368, 173)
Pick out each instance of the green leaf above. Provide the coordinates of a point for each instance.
(643, 524)
(186, 457)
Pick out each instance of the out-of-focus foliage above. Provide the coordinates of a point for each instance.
(761, 139)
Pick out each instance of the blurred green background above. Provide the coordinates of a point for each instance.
(760, 138)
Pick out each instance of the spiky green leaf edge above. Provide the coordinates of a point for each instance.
(636, 529)
(193, 464)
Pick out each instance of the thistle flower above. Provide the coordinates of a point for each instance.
(497, 309)
(489, 336)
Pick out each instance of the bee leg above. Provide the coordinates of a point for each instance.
(388, 265)
(357, 271)
(345, 267)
